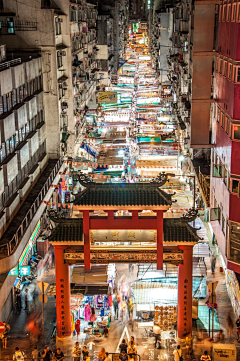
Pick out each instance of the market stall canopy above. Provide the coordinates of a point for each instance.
(96, 276)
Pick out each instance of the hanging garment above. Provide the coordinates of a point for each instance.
(77, 327)
(93, 315)
(110, 301)
(87, 313)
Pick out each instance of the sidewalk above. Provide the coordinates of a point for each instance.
(223, 301)
(20, 335)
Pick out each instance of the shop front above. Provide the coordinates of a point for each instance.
(31, 248)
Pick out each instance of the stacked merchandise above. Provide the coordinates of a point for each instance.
(165, 317)
(233, 290)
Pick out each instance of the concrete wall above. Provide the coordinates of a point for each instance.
(7, 295)
(229, 39)
(204, 16)
(165, 34)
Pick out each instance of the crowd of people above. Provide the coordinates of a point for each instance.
(127, 352)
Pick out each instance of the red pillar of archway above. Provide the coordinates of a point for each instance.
(63, 294)
(184, 316)
(87, 259)
(159, 240)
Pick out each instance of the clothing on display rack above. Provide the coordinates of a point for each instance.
(102, 312)
(87, 313)
(93, 315)
(106, 303)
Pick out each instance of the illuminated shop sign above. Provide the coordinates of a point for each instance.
(24, 257)
(25, 270)
(13, 271)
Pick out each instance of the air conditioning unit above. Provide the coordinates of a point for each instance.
(64, 84)
(63, 53)
(60, 20)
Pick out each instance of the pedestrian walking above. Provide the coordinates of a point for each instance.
(85, 353)
(59, 355)
(130, 268)
(238, 329)
(123, 346)
(76, 351)
(26, 298)
(205, 357)
(46, 354)
(115, 306)
(132, 340)
(78, 327)
(157, 334)
(5, 334)
(213, 263)
(132, 351)
(18, 300)
(229, 325)
(18, 355)
(130, 308)
(102, 354)
(36, 354)
(178, 354)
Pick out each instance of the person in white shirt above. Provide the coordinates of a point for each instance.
(177, 354)
(76, 352)
(18, 355)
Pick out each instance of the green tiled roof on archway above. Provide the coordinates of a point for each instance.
(123, 194)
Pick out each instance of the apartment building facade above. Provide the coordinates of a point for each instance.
(26, 173)
(65, 34)
(38, 124)
(191, 64)
(225, 176)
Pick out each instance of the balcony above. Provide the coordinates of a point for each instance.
(202, 171)
(20, 223)
(9, 27)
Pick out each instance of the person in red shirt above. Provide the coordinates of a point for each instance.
(77, 327)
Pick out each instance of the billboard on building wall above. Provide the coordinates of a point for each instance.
(107, 97)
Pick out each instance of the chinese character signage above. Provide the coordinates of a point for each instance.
(122, 255)
(122, 236)
(61, 308)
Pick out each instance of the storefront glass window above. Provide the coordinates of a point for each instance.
(236, 132)
(234, 186)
